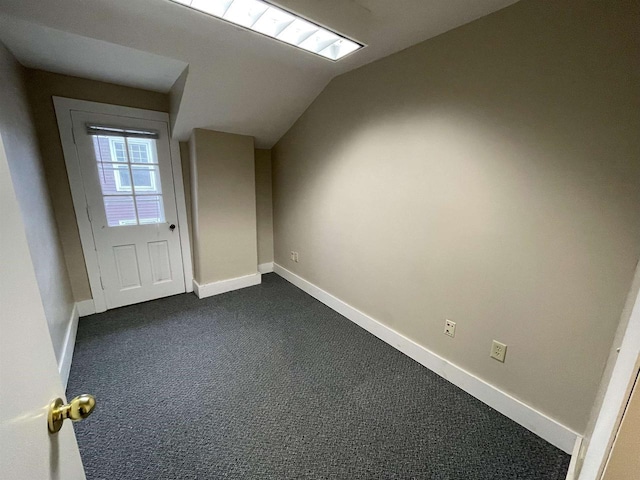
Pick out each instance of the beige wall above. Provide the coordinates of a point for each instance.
(223, 194)
(28, 176)
(264, 206)
(491, 176)
(41, 87)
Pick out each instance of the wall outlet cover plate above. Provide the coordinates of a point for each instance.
(450, 328)
(498, 351)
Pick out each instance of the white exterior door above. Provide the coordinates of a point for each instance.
(126, 170)
(29, 375)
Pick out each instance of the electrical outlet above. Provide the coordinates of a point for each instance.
(498, 351)
(450, 328)
(296, 257)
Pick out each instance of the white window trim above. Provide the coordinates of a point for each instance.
(64, 107)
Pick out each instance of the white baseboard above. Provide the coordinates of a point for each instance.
(265, 267)
(521, 413)
(224, 286)
(86, 307)
(64, 365)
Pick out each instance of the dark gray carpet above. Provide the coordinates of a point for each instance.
(268, 383)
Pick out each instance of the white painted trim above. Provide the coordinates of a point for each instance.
(575, 455)
(181, 205)
(64, 364)
(63, 107)
(108, 109)
(616, 396)
(265, 267)
(86, 307)
(537, 422)
(224, 286)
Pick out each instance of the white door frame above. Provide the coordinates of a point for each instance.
(617, 393)
(64, 107)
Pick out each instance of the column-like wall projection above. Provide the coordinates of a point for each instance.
(223, 195)
(264, 206)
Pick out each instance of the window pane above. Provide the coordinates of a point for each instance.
(146, 178)
(114, 179)
(142, 150)
(109, 149)
(118, 152)
(130, 180)
(150, 209)
(120, 211)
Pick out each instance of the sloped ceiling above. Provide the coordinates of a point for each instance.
(237, 81)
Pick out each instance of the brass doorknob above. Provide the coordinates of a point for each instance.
(77, 409)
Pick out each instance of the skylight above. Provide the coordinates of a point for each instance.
(267, 19)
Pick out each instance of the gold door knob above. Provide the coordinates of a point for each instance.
(79, 408)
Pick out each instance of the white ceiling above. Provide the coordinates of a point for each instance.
(238, 81)
(56, 51)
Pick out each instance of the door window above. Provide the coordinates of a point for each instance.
(130, 180)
